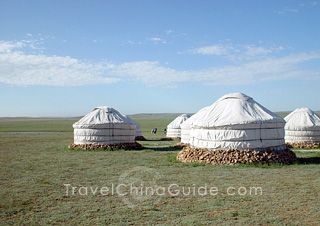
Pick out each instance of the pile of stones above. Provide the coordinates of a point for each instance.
(304, 145)
(107, 147)
(230, 157)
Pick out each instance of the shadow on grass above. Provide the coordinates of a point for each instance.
(161, 139)
(168, 148)
(299, 161)
(308, 160)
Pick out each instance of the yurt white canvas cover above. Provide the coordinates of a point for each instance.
(173, 129)
(104, 125)
(236, 121)
(138, 129)
(302, 126)
(187, 125)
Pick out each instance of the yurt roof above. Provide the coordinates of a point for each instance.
(188, 123)
(236, 109)
(102, 115)
(178, 121)
(302, 118)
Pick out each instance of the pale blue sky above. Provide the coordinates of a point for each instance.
(62, 58)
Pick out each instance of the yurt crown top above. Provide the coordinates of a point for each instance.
(240, 96)
(105, 108)
(304, 109)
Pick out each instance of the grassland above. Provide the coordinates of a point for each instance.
(35, 167)
(146, 121)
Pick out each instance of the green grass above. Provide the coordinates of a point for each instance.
(308, 153)
(36, 125)
(148, 122)
(35, 167)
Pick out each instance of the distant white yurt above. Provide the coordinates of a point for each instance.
(138, 129)
(187, 125)
(302, 126)
(104, 125)
(236, 121)
(173, 129)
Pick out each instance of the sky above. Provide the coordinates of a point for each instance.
(63, 58)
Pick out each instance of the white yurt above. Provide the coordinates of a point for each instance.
(236, 121)
(302, 126)
(173, 129)
(187, 125)
(104, 125)
(138, 129)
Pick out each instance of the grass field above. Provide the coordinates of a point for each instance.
(35, 167)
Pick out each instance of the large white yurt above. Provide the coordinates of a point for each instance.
(187, 125)
(236, 121)
(138, 129)
(104, 125)
(302, 126)
(173, 129)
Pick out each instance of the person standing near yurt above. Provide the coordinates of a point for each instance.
(237, 129)
(104, 127)
(302, 129)
(173, 129)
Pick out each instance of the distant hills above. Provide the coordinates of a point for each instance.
(155, 115)
(135, 116)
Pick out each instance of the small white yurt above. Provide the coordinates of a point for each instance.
(138, 129)
(173, 129)
(104, 125)
(302, 126)
(187, 125)
(236, 121)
